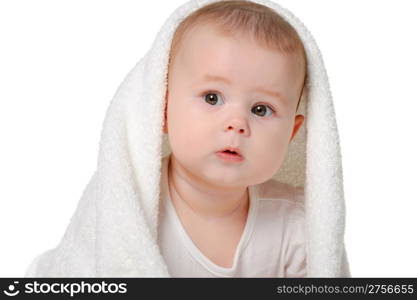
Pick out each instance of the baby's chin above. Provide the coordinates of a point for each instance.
(218, 174)
(227, 178)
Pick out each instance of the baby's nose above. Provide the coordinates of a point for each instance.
(238, 126)
(239, 130)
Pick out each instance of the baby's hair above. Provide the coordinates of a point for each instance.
(238, 16)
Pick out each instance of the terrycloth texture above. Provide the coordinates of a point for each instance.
(113, 232)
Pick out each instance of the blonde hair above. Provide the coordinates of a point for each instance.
(239, 16)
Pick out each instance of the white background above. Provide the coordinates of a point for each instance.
(62, 61)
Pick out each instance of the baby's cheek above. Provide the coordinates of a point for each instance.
(201, 120)
(269, 155)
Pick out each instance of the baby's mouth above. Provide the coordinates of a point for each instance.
(230, 154)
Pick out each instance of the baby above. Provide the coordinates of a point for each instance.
(209, 165)
(236, 76)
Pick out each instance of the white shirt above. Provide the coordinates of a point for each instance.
(272, 243)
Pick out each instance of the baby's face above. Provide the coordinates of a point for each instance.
(252, 108)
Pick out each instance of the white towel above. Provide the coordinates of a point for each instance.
(113, 232)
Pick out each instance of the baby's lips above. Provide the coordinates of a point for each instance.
(232, 149)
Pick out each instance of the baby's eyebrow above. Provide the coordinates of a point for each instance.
(209, 77)
(274, 94)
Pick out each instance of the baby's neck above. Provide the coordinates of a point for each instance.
(209, 204)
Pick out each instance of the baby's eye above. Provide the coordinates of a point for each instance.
(211, 98)
(259, 109)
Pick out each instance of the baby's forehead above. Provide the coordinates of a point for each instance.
(197, 32)
(233, 54)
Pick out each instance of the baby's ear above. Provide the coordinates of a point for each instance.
(299, 120)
